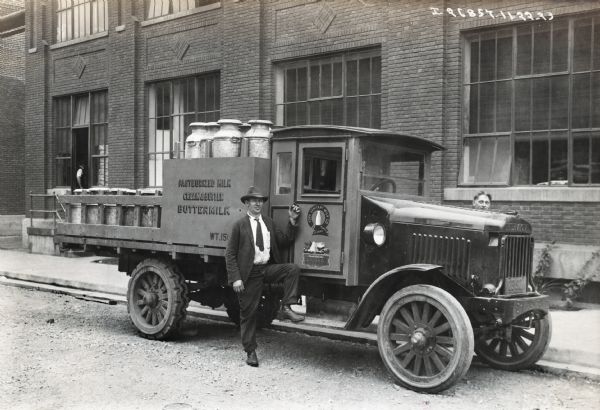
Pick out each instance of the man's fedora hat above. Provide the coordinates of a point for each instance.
(253, 192)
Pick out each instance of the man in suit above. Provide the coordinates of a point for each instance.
(252, 258)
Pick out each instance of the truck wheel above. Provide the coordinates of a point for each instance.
(157, 298)
(516, 346)
(425, 338)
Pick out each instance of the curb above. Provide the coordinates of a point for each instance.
(93, 293)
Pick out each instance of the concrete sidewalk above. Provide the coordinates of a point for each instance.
(574, 347)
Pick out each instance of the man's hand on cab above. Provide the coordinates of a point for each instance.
(294, 212)
(238, 286)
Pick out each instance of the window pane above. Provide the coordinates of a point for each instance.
(560, 102)
(322, 170)
(81, 110)
(326, 112)
(284, 173)
(337, 79)
(301, 114)
(337, 111)
(314, 81)
(558, 160)
(473, 108)
(364, 116)
(474, 67)
(595, 164)
(290, 85)
(522, 105)
(503, 105)
(376, 74)
(290, 115)
(541, 48)
(581, 101)
(315, 112)
(63, 172)
(302, 83)
(581, 159)
(488, 58)
(352, 111)
(501, 168)
(582, 47)
(539, 162)
(523, 50)
(486, 105)
(351, 78)
(486, 160)
(522, 161)
(99, 140)
(541, 103)
(376, 111)
(504, 59)
(364, 70)
(560, 37)
(326, 82)
(597, 43)
(596, 98)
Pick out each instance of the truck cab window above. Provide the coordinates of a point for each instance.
(322, 171)
(284, 173)
(389, 168)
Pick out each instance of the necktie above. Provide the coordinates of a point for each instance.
(259, 236)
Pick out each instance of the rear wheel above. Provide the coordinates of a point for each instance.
(157, 298)
(425, 338)
(516, 346)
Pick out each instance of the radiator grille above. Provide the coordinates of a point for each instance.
(453, 253)
(516, 256)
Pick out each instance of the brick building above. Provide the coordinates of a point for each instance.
(511, 88)
(12, 107)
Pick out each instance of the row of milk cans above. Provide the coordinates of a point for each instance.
(229, 138)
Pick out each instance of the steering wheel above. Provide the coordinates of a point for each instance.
(382, 183)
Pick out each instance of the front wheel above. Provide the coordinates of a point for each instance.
(157, 298)
(425, 338)
(516, 346)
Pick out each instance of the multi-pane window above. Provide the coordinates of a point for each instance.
(159, 8)
(80, 18)
(172, 106)
(81, 138)
(343, 89)
(532, 104)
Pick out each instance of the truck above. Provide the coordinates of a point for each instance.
(440, 283)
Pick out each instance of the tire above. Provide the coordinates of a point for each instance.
(516, 346)
(425, 338)
(157, 299)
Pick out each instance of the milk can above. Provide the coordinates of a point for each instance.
(228, 140)
(211, 129)
(194, 140)
(258, 138)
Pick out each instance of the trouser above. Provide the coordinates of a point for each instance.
(288, 273)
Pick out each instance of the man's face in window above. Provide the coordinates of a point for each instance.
(482, 202)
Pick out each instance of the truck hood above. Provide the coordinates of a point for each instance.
(412, 212)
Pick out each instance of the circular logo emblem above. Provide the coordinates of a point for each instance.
(318, 219)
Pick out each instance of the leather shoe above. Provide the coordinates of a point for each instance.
(288, 313)
(252, 360)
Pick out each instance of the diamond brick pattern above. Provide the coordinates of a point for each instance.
(324, 18)
(79, 66)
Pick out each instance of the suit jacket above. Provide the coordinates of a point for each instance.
(239, 255)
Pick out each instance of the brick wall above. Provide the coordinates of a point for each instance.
(12, 104)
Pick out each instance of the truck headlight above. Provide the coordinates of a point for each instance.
(374, 233)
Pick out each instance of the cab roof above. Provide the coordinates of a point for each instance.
(338, 131)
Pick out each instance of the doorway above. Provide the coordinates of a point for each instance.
(81, 157)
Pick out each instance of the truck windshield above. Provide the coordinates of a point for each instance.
(389, 168)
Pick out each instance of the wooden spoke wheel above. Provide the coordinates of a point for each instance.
(156, 298)
(425, 338)
(516, 346)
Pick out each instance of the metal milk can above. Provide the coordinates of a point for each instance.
(193, 143)
(259, 138)
(227, 142)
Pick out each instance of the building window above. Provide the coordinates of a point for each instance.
(532, 104)
(81, 138)
(343, 89)
(80, 18)
(159, 8)
(172, 106)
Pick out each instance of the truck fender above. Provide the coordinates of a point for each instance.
(385, 286)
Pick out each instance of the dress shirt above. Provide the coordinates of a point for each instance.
(261, 257)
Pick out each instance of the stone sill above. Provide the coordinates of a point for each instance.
(527, 194)
(181, 14)
(79, 40)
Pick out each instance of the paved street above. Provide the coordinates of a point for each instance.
(63, 352)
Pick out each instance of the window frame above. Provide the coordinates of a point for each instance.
(308, 64)
(172, 13)
(554, 75)
(66, 28)
(173, 151)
